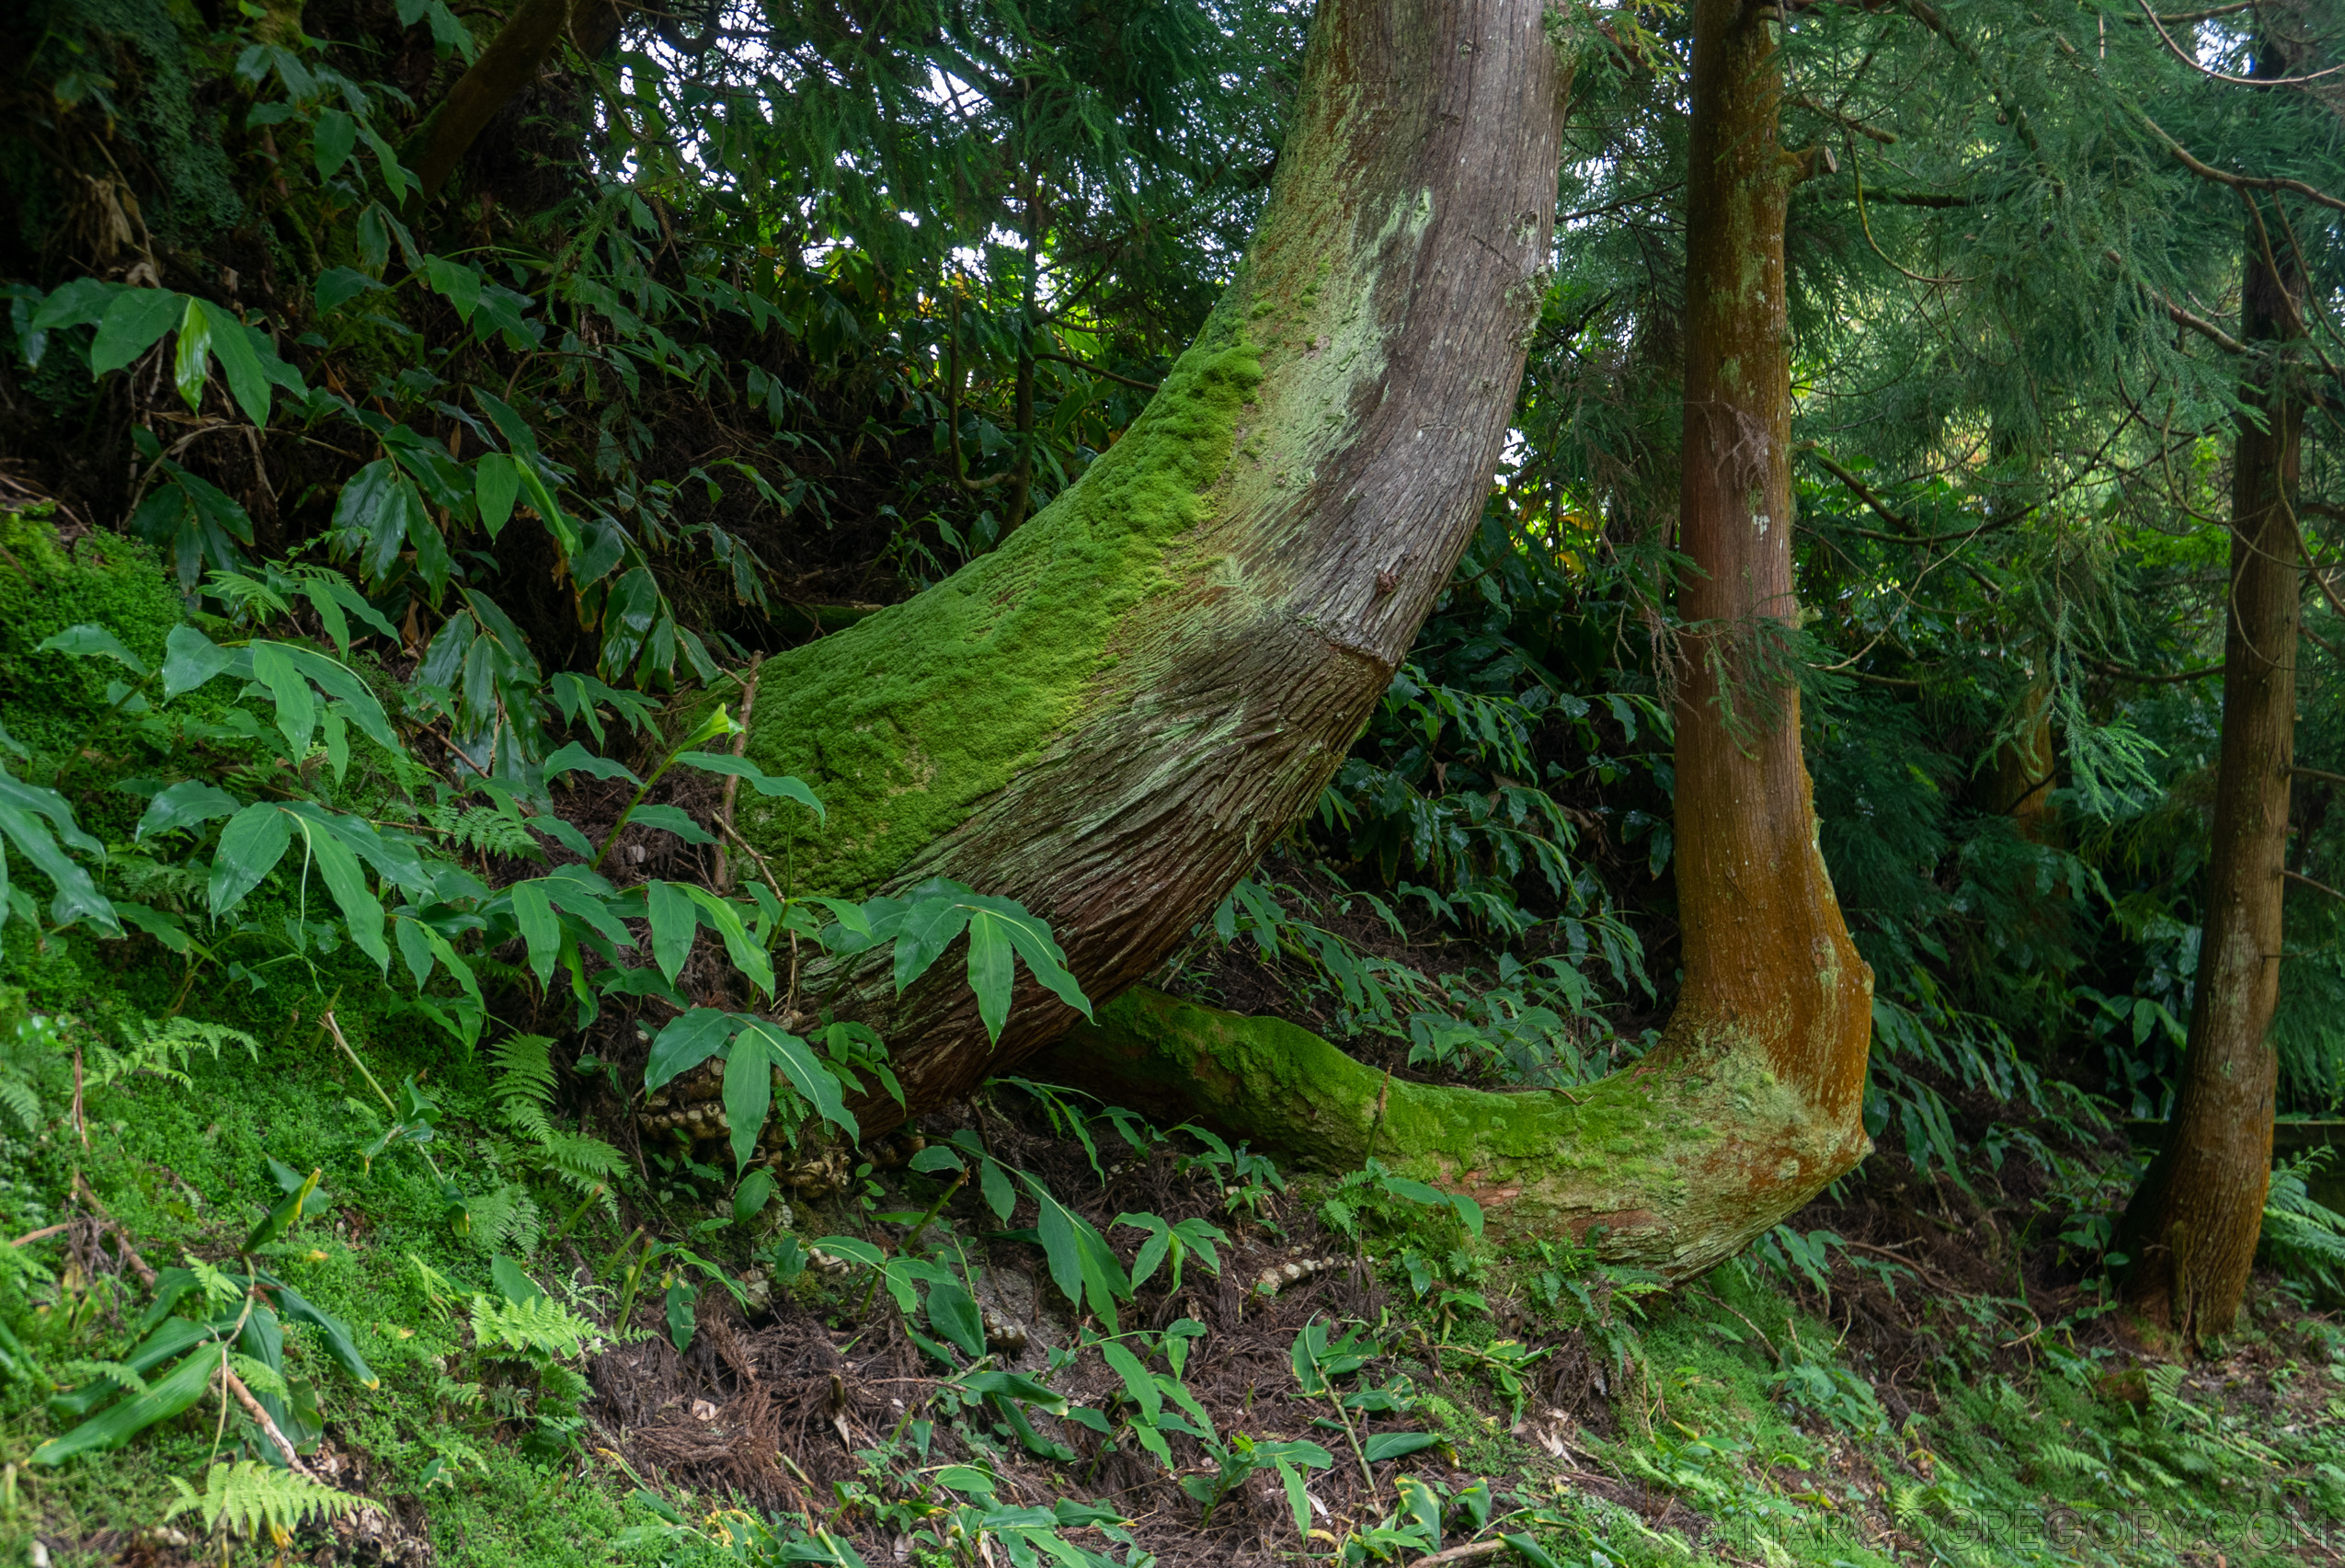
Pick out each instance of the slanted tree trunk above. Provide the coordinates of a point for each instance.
(2191, 1227)
(1112, 717)
(510, 63)
(1109, 716)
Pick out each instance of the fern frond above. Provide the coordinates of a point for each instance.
(524, 1085)
(540, 1326)
(17, 1096)
(505, 1219)
(251, 1496)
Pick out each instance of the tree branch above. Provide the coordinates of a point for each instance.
(2316, 886)
(2144, 678)
(509, 63)
(2319, 773)
(1094, 370)
(2237, 181)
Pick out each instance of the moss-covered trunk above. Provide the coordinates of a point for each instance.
(1752, 1100)
(1111, 715)
(2193, 1225)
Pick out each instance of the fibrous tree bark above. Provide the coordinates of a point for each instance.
(2191, 1227)
(1110, 717)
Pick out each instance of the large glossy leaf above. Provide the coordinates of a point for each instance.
(341, 683)
(991, 974)
(296, 708)
(251, 846)
(191, 359)
(671, 819)
(247, 382)
(496, 483)
(928, 929)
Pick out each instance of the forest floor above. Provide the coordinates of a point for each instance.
(1917, 1371)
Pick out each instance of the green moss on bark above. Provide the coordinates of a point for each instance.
(905, 721)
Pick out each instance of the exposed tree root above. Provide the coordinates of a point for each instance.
(1674, 1165)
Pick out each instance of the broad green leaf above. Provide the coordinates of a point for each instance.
(77, 895)
(928, 928)
(854, 1251)
(765, 784)
(682, 1300)
(337, 286)
(725, 919)
(1139, 1382)
(346, 880)
(331, 143)
(573, 758)
(748, 1093)
(190, 659)
(534, 914)
(1018, 1387)
(247, 382)
(454, 281)
(673, 920)
(1392, 1445)
(814, 1082)
(495, 484)
(953, 1312)
(1034, 942)
(251, 846)
(164, 1398)
(671, 819)
(358, 703)
(1298, 1501)
(133, 324)
(689, 1039)
(88, 641)
(291, 1306)
(163, 927)
(991, 974)
(296, 708)
(751, 1196)
(999, 1195)
(191, 362)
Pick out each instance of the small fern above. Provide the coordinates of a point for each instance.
(505, 1220)
(164, 1049)
(2302, 1238)
(523, 1090)
(251, 1497)
(539, 1326)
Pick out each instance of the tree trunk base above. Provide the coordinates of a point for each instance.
(1674, 1164)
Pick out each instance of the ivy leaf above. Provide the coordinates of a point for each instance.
(251, 846)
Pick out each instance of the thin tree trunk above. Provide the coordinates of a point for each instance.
(1109, 716)
(510, 63)
(2193, 1226)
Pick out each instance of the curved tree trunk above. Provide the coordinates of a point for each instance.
(1109, 716)
(1753, 1101)
(2193, 1225)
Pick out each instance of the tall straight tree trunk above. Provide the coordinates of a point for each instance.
(2191, 1227)
(1109, 716)
(1752, 1100)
